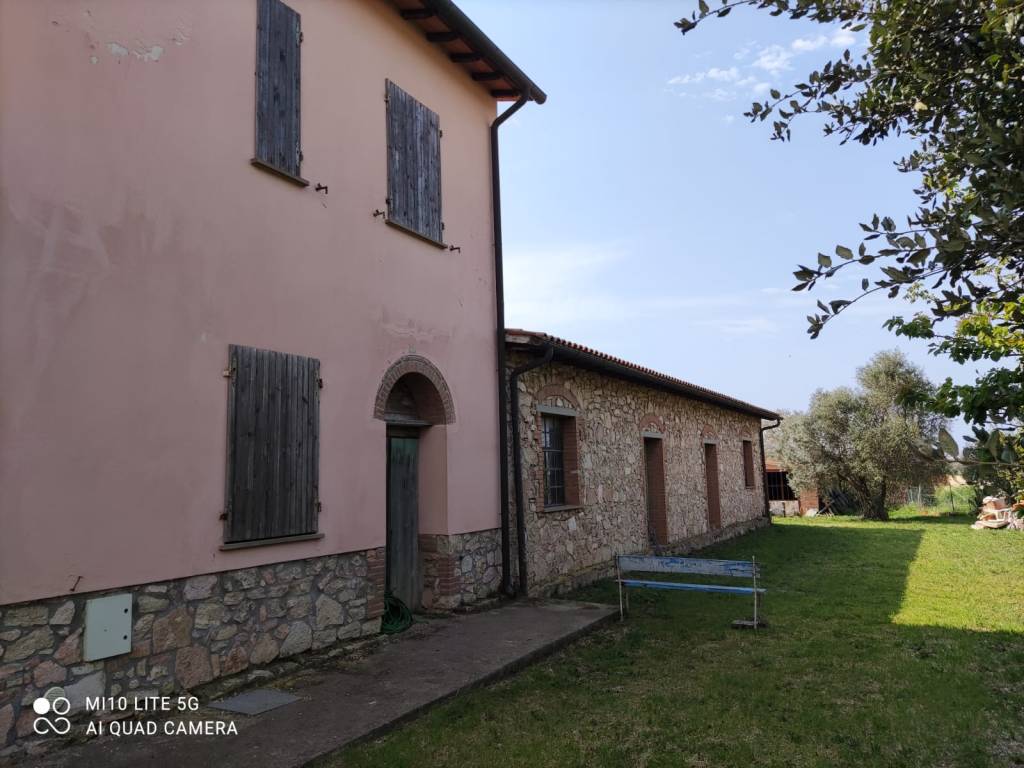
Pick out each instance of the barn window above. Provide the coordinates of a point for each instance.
(748, 463)
(278, 36)
(553, 443)
(561, 462)
(273, 445)
(414, 166)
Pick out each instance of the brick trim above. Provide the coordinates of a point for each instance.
(556, 390)
(653, 423)
(439, 409)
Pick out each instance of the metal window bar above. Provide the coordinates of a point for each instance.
(552, 444)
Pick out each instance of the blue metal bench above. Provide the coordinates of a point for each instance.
(739, 569)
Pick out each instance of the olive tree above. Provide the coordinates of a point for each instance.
(865, 441)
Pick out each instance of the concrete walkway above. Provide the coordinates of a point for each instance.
(338, 706)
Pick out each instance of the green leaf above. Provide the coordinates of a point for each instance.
(824, 260)
(704, 9)
(844, 252)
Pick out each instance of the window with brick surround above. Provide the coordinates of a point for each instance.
(560, 468)
(748, 463)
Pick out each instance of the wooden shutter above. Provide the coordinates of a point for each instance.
(277, 86)
(748, 463)
(273, 445)
(414, 165)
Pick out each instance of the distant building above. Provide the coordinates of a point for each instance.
(783, 501)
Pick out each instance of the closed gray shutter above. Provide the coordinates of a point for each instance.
(414, 165)
(273, 445)
(277, 86)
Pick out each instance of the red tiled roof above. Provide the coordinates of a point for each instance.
(601, 359)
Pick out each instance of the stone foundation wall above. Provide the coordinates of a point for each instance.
(186, 632)
(460, 569)
(572, 580)
(611, 421)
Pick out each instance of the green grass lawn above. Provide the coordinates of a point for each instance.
(891, 644)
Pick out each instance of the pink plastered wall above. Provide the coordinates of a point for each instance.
(138, 242)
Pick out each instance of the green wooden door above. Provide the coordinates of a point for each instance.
(403, 515)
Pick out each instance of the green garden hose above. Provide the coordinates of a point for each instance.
(397, 617)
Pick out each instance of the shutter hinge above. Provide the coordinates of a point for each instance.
(229, 372)
(301, 36)
(319, 383)
(223, 515)
(319, 506)
(440, 133)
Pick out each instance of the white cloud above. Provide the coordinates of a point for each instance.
(761, 88)
(808, 43)
(843, 38)
(726, 75)
(721, 94)
(717, 74)
(773, 59)
(729, 119)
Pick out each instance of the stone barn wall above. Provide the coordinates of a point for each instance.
(575, 544)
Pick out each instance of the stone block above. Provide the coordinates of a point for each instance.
(192, 667)
(37, 641)
(264, 651)
(172, 631)
(65, 614)
(26, 616)
(328, 612)
(299, 639)
(200, 587)
(88, 687)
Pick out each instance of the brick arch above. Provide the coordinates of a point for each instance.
(427, 384)
(652, 423)
(556, 390)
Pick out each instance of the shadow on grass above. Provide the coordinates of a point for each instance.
(832, 682)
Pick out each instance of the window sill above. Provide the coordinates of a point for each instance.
(563, 508)
(279, 172)
(268, 542)
(414, 233)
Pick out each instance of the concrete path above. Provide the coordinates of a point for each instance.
(339, 706)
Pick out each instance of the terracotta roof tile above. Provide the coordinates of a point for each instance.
(684, 387)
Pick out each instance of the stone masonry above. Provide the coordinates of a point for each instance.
(574, 544)
(187, 632)
(460, 569)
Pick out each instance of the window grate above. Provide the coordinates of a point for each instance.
(553, 444)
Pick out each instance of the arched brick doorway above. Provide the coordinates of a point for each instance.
(416, 404)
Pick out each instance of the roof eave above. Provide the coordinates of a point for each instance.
(583, 359)
(466, 32)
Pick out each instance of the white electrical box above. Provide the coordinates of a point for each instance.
(108, 627)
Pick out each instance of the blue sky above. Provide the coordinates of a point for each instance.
(646, 217)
